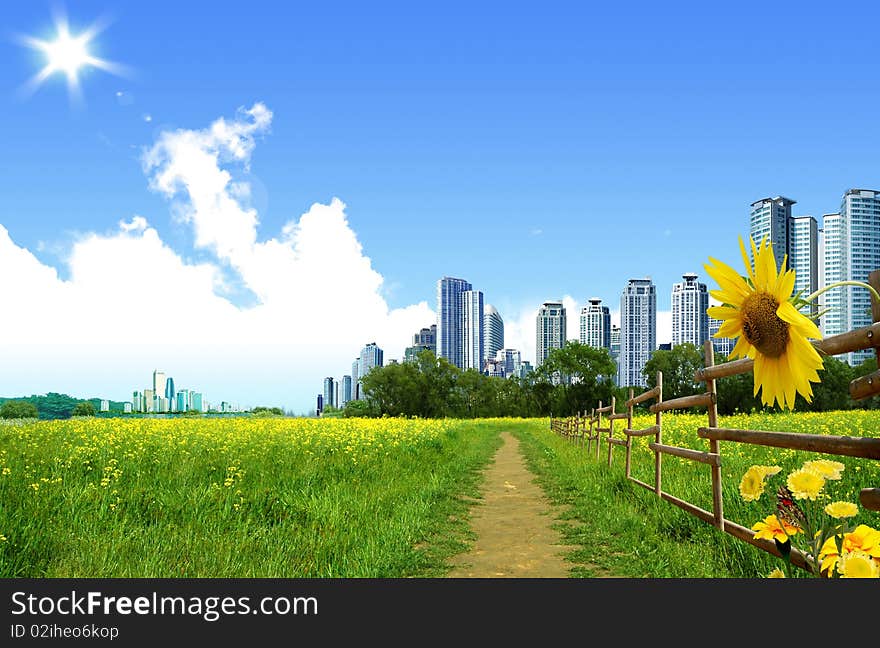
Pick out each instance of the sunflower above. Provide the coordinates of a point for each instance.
(758, 310)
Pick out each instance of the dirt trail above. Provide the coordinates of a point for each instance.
(512, 524)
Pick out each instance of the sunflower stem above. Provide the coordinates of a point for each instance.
(837, 284)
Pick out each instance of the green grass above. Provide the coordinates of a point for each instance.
(625, 530)
(235, 499)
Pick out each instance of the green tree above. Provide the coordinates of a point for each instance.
(84, 408)
(582, 375)
(832, 392)
(678, 366)
(15, 409)
(869, 366)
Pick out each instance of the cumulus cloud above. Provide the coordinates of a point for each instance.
(132, 303)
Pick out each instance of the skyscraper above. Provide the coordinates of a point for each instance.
(852, 252)
(770, 218)
(595, 325)
(169, 393)
(493, 332)
(550, 330)
(803, 250)
(329, 392)
(346, 390)
(158, 383)
(371, 357)
(690, 323)
(510, 360)
(473, 329)
(424, 340)
(615, 342)
(450, 319)
(638, 331)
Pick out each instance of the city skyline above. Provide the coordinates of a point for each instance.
(252, 207)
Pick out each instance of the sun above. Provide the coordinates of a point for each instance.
(68, 54)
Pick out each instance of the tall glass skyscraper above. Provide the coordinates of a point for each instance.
(595, 325)
(770, 219)
(169, 393)
(450, 319)
(550, 330)
(638, 331)
(852, 252)
(690, 300)
(472, 328)
(493, 332)
(803, 257)
(329, 392)
(346, 390)
(371, 357)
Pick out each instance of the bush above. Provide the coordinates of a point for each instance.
(15, 409)
(84, 409)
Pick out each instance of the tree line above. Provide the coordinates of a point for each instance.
(572, 379)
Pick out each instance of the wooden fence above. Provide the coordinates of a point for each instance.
(587, 430)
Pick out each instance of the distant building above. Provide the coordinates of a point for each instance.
(473, 329)
(550, 330)
(804, 258)
(615, 342)
(169, 393)
(493, 332)
(105, 406)
(149, 401)
(127, 408)
(329, 392)
(355, 379)
(595, 325)
(638, 331)
(450, 319)
(510, 360)
(494, 368)
(346, 390)
(851, 253)
(690, 322)
(182, 400)
(158, 383)
(320, 407)
(137, 401)
(371, 357)
(770, 218)
(197, 402)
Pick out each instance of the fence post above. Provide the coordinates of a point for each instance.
(712, 411)
(874, 281)
(598, 428)
(629, 424)
(658, 437)
(611, 429)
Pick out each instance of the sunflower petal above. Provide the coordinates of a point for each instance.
(788, 313)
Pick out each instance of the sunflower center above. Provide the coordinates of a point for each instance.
(762, 326)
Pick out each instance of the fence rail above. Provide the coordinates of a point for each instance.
(588, 429)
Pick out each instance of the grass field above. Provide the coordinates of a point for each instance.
(626, 530)
(283, 497)
(237, 497)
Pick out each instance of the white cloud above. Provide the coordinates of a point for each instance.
(132, 304)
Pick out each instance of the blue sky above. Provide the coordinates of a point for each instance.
(539, 150)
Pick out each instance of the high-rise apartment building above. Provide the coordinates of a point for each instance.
(550, 330)
(356, 379)
(329, 392)
(371, 357)
(638, 331)
(158, 383)
(346, 390)
(615, 342)
(169, 393)
(510, 360)
(803, 251)
(149, 400)
(424, 340)
(852, 252)
(472, 328)
(493, 332)
(450, 319)
(595, 325)
(182, 400)
(690, 323)
(770, 218)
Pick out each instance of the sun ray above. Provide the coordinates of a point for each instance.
(68, 54)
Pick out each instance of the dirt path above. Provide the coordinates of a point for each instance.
(512, 524)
